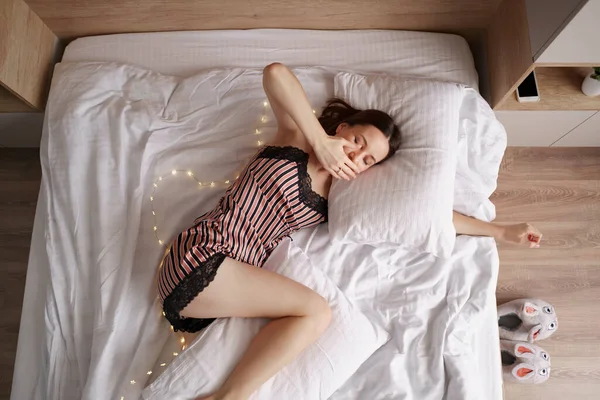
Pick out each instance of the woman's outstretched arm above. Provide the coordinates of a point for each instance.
(517, 234)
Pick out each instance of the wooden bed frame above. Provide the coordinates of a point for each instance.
(75, 18)
(31, 29)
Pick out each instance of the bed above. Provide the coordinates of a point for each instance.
(90, 326)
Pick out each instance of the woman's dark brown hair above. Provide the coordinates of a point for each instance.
(338, 111)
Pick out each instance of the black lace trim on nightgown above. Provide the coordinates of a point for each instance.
(187, 290)
(307, 195)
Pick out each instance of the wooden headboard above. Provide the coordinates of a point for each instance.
(30, 29)
(75, 18)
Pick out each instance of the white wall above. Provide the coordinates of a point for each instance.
(21, 129)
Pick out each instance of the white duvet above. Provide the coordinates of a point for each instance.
(112, 130)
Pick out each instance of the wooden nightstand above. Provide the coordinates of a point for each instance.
(27, 53)
(556, 38)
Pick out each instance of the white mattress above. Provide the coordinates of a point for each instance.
(42, 356)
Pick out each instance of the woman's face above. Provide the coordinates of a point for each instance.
(374, 146)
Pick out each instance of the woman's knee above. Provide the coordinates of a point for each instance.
(319, 312)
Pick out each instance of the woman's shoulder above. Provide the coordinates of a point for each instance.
(290, 139)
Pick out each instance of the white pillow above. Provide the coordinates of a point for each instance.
(408, 199)
(315, 374)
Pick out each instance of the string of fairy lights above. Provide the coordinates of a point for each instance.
(257, 132)
(174, 173)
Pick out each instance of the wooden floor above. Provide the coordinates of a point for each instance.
(20, 176)
(557, 189)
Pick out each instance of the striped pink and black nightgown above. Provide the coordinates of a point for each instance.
(271, 199)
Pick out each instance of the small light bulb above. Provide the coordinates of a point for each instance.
(155, 228)
(163, 364)
(190, 173)
(164, 314)
(174, 172)
(257, 131)
(160, 242)
(155, 185)
(259, 143)
(265, 103)
(314, 112)
(153, 213)
(160, 178)
(237, 176)
(183, 347)
(151, 198)
(182, 340)
(263, 119)
(122, 398)
(175, 354)
(199, 183)
(172, 327)
(212, 184)
(227, 182)
(132, 382)
(149, 373)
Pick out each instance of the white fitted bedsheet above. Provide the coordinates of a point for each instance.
(402, 53)
(419, 54)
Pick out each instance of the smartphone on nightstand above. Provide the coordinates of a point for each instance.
(528, 89)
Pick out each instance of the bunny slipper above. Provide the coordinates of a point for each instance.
(526, 320)
(524, 362)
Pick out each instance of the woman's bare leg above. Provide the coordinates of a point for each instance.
(242, 290)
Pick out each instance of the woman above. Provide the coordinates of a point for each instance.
(210, 270)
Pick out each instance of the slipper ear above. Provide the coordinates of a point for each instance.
(523, 372)
(534, 333)
(530, 309)
(524, 350)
